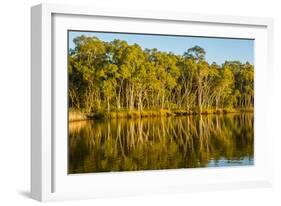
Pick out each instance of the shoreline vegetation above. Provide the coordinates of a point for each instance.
(110, 80)
(76, 115)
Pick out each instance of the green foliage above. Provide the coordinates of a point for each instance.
(115, 76)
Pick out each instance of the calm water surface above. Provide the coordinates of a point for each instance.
(161, 143)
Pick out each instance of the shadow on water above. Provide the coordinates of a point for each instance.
(161, 143)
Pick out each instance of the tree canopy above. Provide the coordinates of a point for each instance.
(106, 76)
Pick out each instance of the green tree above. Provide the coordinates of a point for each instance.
(104, 76)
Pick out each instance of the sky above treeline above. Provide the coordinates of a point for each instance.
(217, 49)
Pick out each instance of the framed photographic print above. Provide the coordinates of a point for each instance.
(136, 102)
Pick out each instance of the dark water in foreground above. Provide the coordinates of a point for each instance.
(161, 143)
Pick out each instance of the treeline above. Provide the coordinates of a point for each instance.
(116, 76)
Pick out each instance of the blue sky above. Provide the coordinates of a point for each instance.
(217, 49)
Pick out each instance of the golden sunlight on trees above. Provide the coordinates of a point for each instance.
(107, 77)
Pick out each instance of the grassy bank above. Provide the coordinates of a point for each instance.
(75, 115)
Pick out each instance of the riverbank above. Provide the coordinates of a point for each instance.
(75, 115)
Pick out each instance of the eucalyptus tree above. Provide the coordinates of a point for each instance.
(223, 89)
(198, 54)
(134, 60)
(243, 89)
(87, 64)
(186, 81)
(104, 76)
(116, 53)
(167, 73)
(247, 74)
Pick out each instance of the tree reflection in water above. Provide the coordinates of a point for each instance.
(161, 143)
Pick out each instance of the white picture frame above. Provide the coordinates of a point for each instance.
(49, 180)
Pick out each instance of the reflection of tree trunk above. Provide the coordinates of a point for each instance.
(179, 134)
(217, 122)
(183, 130)
(140, 130)
(207, 132)
(189, 134)
(132, 132)
(161, 142)
(120, 140)
(200, 132)
(147, 132)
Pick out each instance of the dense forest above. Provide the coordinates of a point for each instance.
(108, 77)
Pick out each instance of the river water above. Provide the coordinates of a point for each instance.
(161, 143)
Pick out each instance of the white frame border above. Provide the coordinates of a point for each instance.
(42, 84)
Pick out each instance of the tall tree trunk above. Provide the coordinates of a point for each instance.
(108, 105)
(131, 101)
(118, 101)
(118, 96)
(162, 101)
(217, 102)
(200, 99)
(187, 103)
(140, 102)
